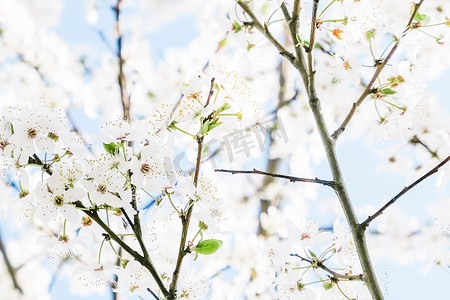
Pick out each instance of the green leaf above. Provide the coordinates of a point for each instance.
(208, 247)
(420, 17)
(223, 43)
(236, 27)
(312, 254)
(388, 91)
(222, 108)
(327, 285)
(112, 148)
(214, 125)
(205, 128)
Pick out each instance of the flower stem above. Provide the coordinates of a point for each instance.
(100, 251)
(171, 203)
(177, 128)
(64, 227)
(326, 8)
(117, 254)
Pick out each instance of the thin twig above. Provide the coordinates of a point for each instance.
(105, 41)
(137, 229)
(336, 275)
(368, 90)
(153, 294)
(9, 267)
(416, 141)
(175, 106)
(211, 92)
(265, 31)
(145, 261)
(126, 107)
(186, 218)
(125, 99)
(292, 22)
(402, 192)
(312, 42)
(127, 217)
(136, 225)
(290, 178)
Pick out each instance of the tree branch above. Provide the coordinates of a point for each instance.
(368, 90)
(402, 192)
(357, 231)
(339, 185)
(344, 198)
(290, 178)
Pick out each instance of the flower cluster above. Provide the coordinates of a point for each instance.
(88, 193)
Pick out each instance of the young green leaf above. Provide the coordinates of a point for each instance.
(420, 17)
(327, 285)
(222, 108)
(236, 27)
(213, 125)
(112, 148)
(208, 247)
(205, 128)
(312, 254)
(388, 91)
